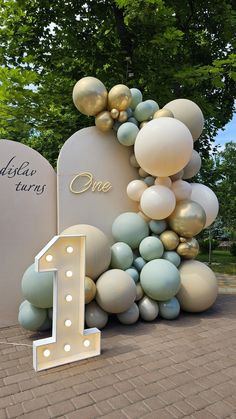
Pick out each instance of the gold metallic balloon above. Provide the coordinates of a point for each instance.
(90, 290)
(104, 121)
(119, 97)
(123, 116)
(114, 113)
(188, 249)
(169, 239)
(188, 218)
(163, 113)
(90, 96)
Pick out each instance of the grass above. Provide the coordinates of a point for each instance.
(221, 261)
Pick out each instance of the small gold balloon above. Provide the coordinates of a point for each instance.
(119, 97)
(90, 96)
(187, 219)
(143, 124)
(123, 116)
(90, 290)
(169, 239)
(163, 113)
(104, 121)
(182, 239)
(114, 113)
(189, 249)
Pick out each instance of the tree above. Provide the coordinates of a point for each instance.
(218, 172)
(168, 49)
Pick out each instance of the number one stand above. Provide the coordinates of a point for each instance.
(65, 255)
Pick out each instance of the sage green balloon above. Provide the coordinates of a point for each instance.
(170, 309)
(95, 316)
(153, 104)
(143, 111)
(133, 121)
(31, 317)
(172, 257)
(129, 316)
(158, 227)
(37, 287)
(151, 248)
(121, 256)
(148, 309)
(130, 228)
(127, 133)
(160, 279)
(50, 312)
(47, 324)
(137, 97)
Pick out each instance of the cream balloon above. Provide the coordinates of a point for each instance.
(135, 189)
(189, 113)
(205, 197)
(163, 147)
(198, 290)
(157, 202)
(164, 181)
(181, 189)
(193, 166)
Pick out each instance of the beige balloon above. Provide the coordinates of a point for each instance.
(181, 189)
(139, 292)
(119, 97)
(163, 147)
(205, 197)
(177, 175)
(188, 218)
(188, 249)
(135, 189)
(104, 121)
(198, 289)
(98, 251)
(189, 113)
(90, 96)
(164, 181)
(163, 113)
(157, 202)
(193, 166)
(90, 289)
(169, 239)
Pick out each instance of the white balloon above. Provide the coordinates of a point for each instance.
(207, 199)
(189, 113)
(158, 202)
(135, 189)
(193, 166)
(163, 147)
(181, 189)
(165, 181)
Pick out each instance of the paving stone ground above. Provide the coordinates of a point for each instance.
(180, 369)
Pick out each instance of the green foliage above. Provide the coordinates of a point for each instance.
(206, 243)
(233, 249)
(168, 49)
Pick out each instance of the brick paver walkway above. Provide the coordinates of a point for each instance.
(165, 369)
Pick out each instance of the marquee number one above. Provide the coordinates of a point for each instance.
(65, 256)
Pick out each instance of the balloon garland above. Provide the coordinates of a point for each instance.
(150, 269)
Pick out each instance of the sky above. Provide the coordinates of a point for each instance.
(228, 134)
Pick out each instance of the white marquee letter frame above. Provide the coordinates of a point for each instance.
(65, 256)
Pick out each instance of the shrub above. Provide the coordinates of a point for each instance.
(233, 249)
(204, 245)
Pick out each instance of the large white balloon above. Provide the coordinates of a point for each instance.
(193, 166)
(163, 147)
(207, 199)
(189, 113)
(181, 189)
(158, 202)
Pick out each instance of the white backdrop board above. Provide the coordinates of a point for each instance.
(93, 174)
(28, 219)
